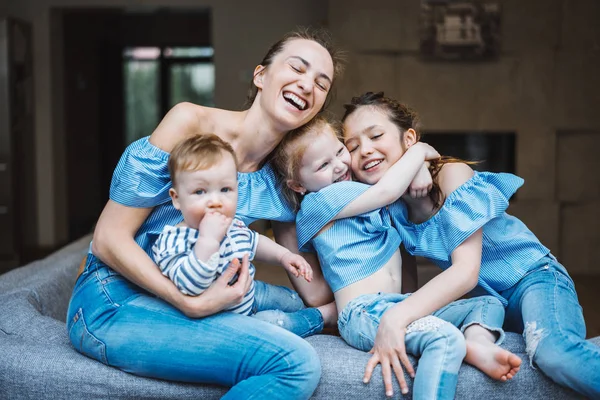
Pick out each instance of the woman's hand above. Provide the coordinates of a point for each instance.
(223, 293)
(389, 351)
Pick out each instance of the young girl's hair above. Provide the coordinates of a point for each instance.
(198, 152)
(287, 157)
(318, 35)
(404, 118)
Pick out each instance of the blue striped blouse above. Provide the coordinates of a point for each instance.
(141, 179)
(509, 248)
(352, 248)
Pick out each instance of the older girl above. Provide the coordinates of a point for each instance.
(463, 227)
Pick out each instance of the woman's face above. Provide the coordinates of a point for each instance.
(293, 88)
(373, 142)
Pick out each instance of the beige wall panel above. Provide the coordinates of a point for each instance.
(390, 25)
(577, 95)
(580, 237)
(535, 159)
(365, 73)
(534, 91)
(497, 91)
(530, 25)
(578, 167)
(580, 29)
(446, 95)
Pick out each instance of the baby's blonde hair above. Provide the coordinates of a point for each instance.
(287, 157)
(197, 153)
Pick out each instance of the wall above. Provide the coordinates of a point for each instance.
(545, 87)
(242, 32)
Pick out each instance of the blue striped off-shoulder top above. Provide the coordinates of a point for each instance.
(141, 179)
(352, 248)
(509, 247)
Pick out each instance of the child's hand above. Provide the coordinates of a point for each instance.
(430, 152)
(297, 265)
(214, 225)
(421, 184)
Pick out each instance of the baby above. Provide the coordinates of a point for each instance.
(197, 251)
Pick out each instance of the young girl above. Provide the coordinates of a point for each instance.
(359, 256)
(464, 217)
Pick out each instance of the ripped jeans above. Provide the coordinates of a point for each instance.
(437, 339)
(281, 306)
(544, 306)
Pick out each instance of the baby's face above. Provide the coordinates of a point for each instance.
(212, 189)
(373, 142)
(325, 161)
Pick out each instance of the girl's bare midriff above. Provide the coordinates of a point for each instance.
(388, 279)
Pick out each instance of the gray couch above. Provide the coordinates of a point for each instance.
(37, 360)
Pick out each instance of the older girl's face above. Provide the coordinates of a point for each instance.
(293, 88)
(373, 142)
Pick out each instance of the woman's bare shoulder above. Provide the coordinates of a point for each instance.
(183, 120)
(453, 175)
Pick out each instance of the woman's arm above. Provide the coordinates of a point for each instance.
(114, 244)
(317, 292)
(182, 121)
(393, 183)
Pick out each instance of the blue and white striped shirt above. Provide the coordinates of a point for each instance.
(174, 253)
(352, 248)
(141, 179)
(509, 247)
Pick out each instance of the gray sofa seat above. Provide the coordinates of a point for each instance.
(37, 360)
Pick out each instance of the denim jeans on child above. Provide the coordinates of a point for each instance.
(435, 338)
(544, 306)
(283, 307)
(115, 322)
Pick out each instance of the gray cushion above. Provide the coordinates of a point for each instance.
(37, 360)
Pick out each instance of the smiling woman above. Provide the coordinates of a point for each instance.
(121, 290)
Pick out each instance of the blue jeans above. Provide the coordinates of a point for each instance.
(117, 323)
(281, 306)
(544, 306)
(435, 338)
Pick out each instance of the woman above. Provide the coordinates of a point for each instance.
(125, 313)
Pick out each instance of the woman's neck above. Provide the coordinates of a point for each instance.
(253, 138)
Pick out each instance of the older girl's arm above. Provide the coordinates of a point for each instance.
(393, 183)
(460, 278)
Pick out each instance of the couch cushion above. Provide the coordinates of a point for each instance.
(38, 361)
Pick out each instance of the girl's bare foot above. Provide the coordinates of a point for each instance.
(494, 361)
(329, 313)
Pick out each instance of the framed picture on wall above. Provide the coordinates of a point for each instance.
(459, 30)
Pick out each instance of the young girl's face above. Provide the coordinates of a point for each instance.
(373, 142)
(325, 161)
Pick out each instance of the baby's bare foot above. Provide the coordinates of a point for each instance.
(494, 361)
